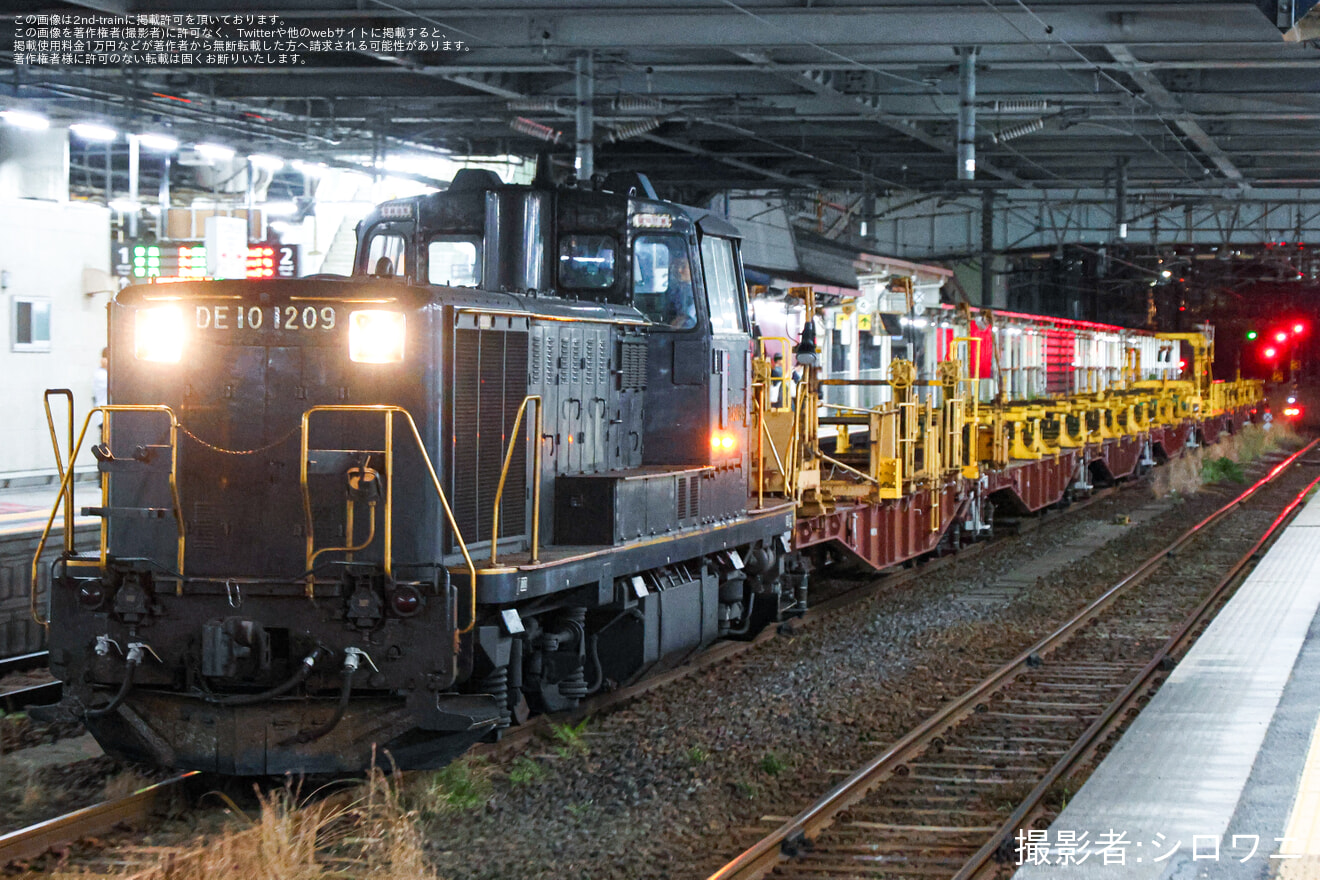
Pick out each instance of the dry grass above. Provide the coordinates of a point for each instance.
(296, 838)
(1195, 467)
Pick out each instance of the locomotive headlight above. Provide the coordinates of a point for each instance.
(376, 336)
(158, 334)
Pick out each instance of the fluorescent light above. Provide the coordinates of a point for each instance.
(279, 209)
(161, 142)
(24, 119)
(215, 151)
(89, 131)
(267, 161)
(125, 205)
(311, 169)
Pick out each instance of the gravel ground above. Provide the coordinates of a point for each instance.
(677, 782)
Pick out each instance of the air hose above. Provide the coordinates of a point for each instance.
(133, 660)
(352, 660)
(304, 670)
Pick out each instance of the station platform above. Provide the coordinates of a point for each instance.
(1219, 776)
(26, 509)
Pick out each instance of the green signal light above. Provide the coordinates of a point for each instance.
(1252, 334)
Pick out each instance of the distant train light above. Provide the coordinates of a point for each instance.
(376, 336)
(158, 335)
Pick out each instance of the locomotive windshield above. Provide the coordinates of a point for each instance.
(662, 281)
(387, 254)
(720, 267)
(454, 261)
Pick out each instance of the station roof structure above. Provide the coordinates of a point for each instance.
(807, 94)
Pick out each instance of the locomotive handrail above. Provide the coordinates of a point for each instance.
(66, 497)
(65, 494)
(536, 486)
(388, 411)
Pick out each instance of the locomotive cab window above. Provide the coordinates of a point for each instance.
(586, 261)
(662, 281)
(723, 298)
(387, 255)
(454, 261)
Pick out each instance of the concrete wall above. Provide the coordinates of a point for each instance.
(44, 248)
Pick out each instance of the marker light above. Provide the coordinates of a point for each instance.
(160, 142)
(1280, 336)
(1292, 411)
(158, 334)
(23, 119)
(720, 442)
(376, 336)
(90, 132)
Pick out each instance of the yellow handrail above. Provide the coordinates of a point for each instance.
(388, 411)
(536, 486)
(65, 493)
(67, 498)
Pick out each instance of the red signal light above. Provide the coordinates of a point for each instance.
(1280, 336)
(1271, 352)
(1299, 328)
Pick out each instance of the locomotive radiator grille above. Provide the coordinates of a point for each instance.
(490, 365)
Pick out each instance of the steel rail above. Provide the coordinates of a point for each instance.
(20, 698)
(23, 662)
(33, 841)
(777, 845)
(1112, 717)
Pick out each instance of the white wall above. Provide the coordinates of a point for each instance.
(44, 248)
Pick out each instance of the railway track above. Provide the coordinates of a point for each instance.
(19, 698)
(100, 819)
(948, 798)
(28, 843)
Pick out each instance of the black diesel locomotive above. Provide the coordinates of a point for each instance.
(503, 465)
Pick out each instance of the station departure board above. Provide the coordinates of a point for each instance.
(165, 261)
